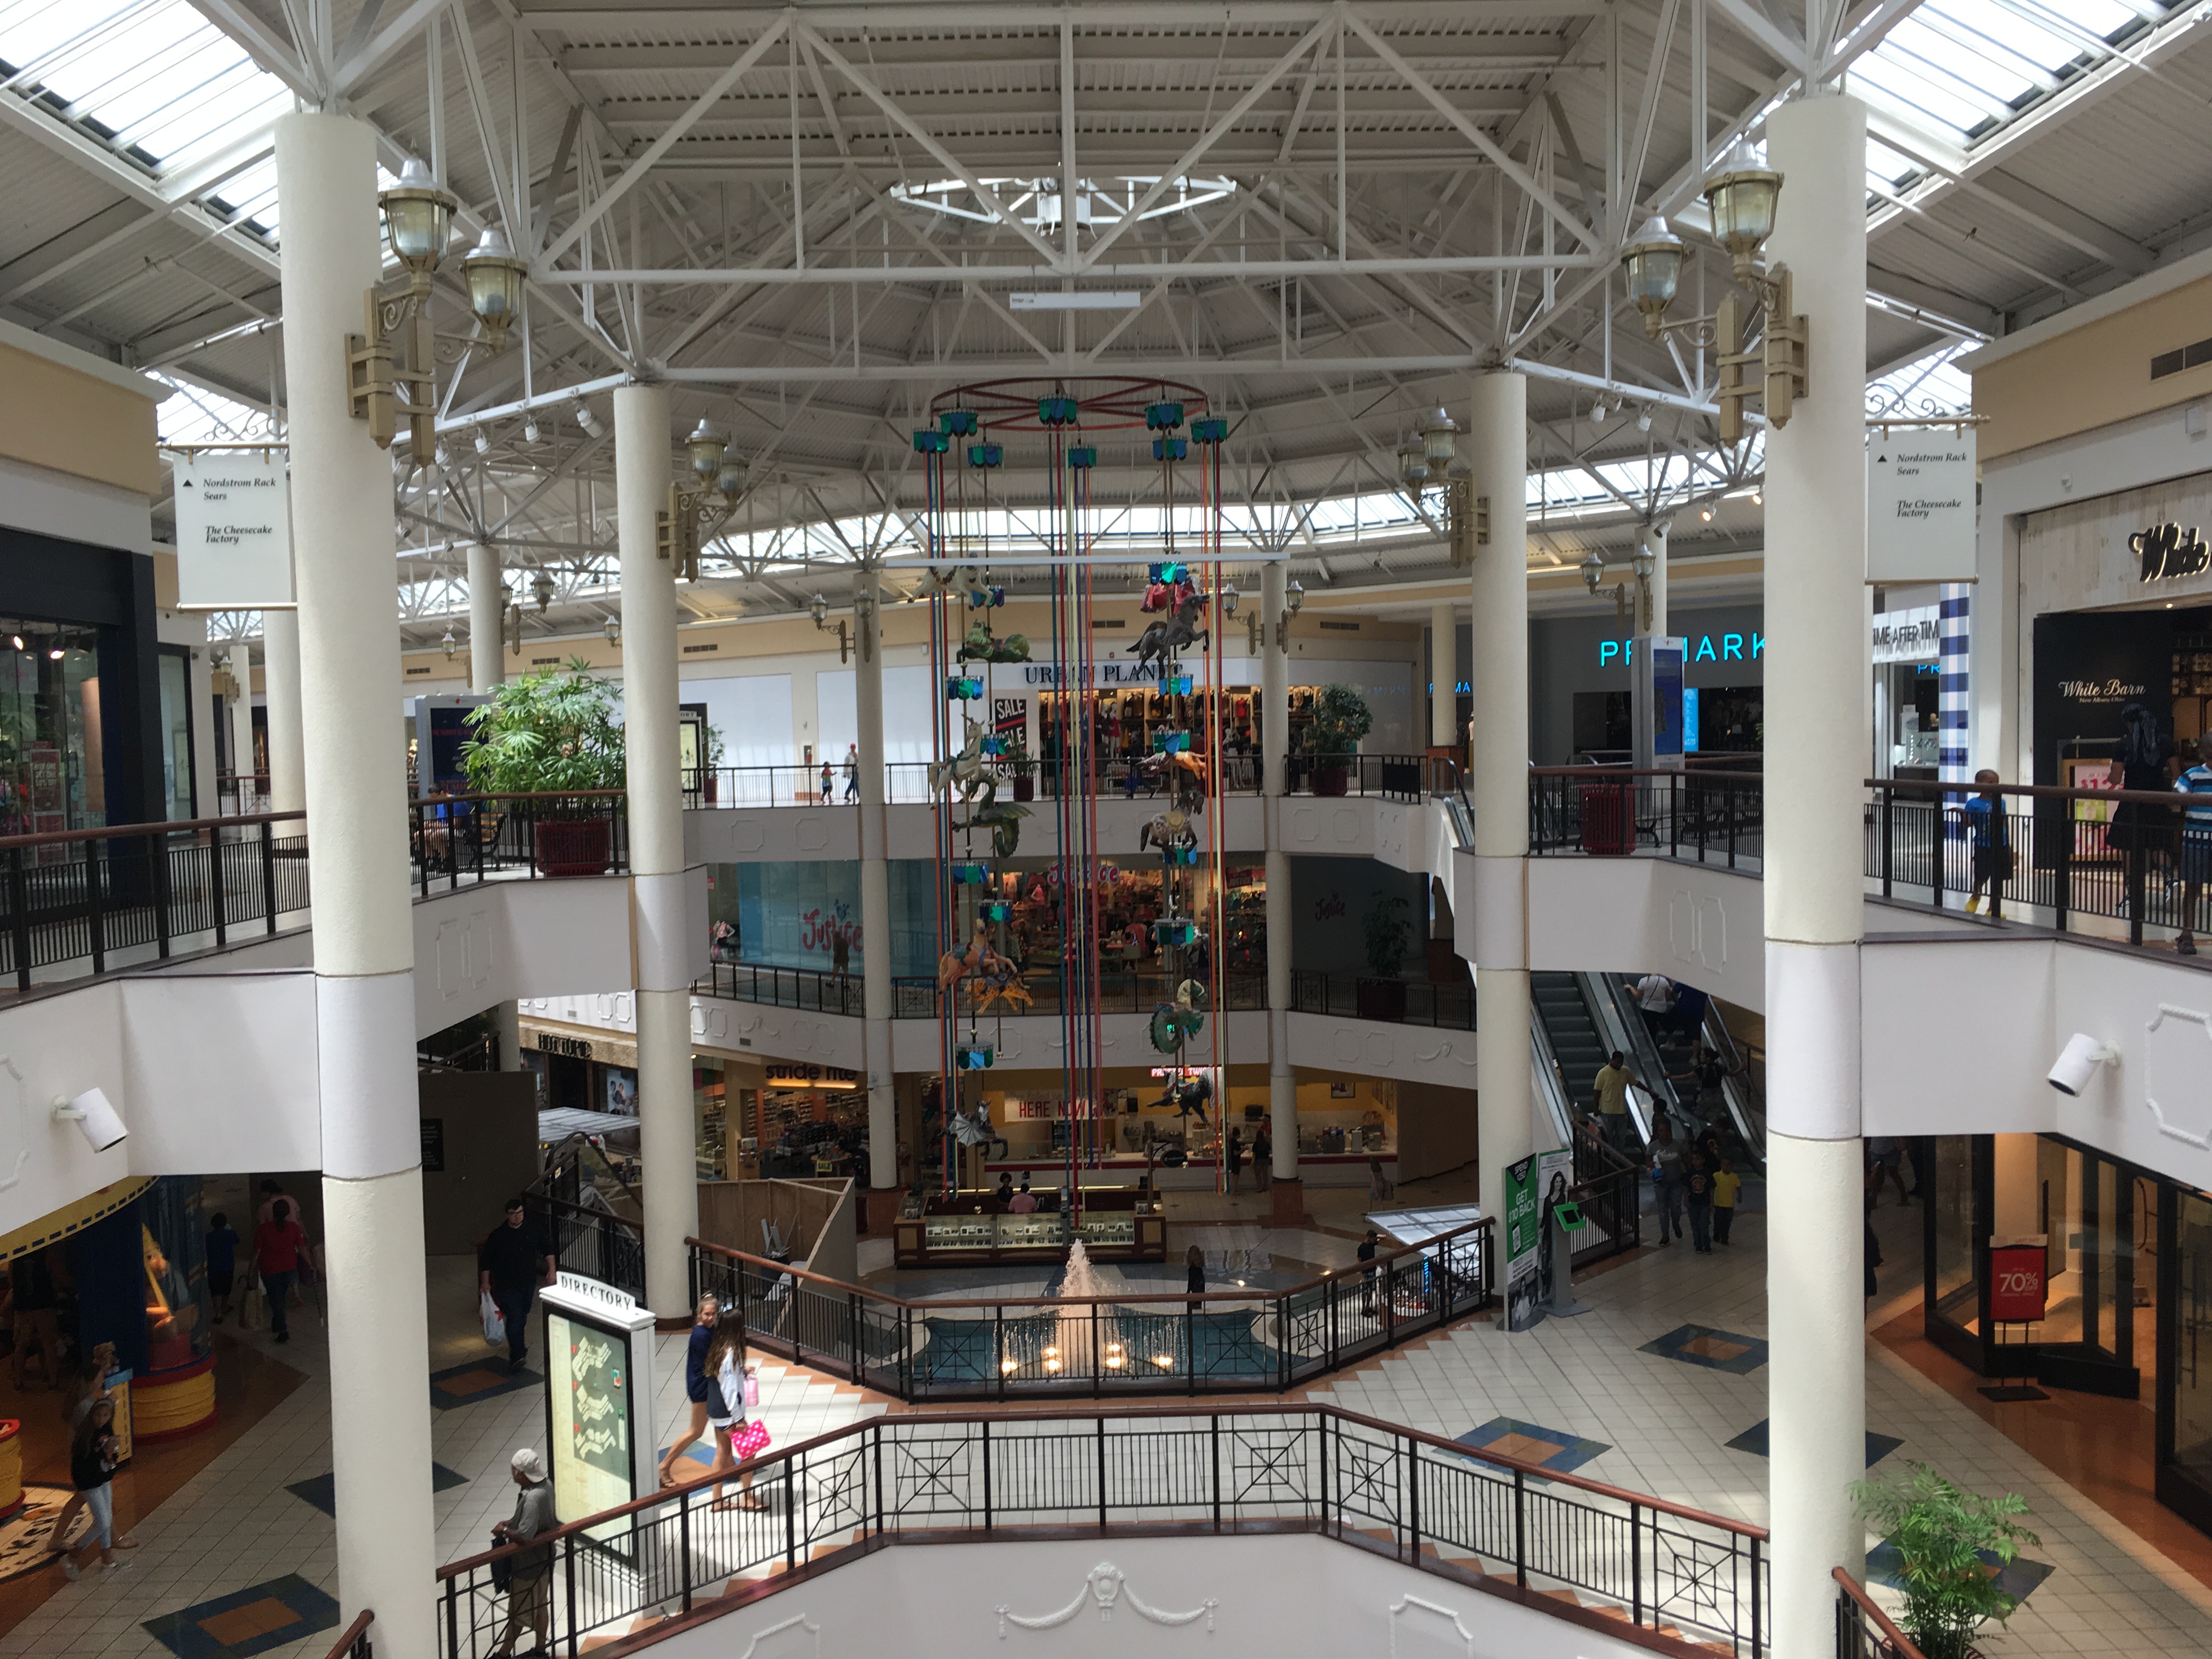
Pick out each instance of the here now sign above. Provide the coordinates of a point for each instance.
(2016, 1283)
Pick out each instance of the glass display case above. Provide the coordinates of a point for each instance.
(1116, 1225)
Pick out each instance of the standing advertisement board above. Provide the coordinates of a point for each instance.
(598, 1402)
(1523, 1226)
(1555, 1180)
(2017, 1285)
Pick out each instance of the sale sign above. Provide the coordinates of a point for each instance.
(2016, 1284)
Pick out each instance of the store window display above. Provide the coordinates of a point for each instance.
(52, 767)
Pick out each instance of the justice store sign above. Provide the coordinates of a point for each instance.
(1921, 505)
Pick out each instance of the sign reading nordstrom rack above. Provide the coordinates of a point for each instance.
(234, 531)
(1921, 505)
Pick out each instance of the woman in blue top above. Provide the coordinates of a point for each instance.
(221, 1265)
(696, 1385)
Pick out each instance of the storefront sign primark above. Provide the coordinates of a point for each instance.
(2167, 550)
(1921, 505)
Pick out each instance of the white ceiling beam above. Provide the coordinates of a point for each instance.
(365, 62)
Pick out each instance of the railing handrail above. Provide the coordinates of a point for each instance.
(522, 794)
(1179, 1299)
(1896, 1638)
(2172, 800)
(138, 831)
(1132, 1413)
(1702, 774)
(353, 1632)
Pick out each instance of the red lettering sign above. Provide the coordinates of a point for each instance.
(2016, 1286)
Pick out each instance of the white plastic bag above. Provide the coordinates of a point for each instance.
(495, 1323)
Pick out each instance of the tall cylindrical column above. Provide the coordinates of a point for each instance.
(1444, 676)
(667, 1135)
(1498, 774)
(507, 1019)
(1274, 745)
(1817, 696)
(241, 723)
(355, 765)
(280, 681)
(875, 886)
(487, 611)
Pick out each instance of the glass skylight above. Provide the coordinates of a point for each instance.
(193, 414)
(157, 83)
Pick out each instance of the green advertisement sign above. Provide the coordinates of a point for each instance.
(1524, 1217)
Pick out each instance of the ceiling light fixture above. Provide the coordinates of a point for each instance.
(1083, 300)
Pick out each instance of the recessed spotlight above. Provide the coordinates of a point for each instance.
(54, 655)
(1706, 515)
(1758, 500)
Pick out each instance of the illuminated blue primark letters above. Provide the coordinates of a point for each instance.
(1709, 647)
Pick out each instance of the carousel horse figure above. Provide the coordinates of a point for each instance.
(1172, 633)
(956, 965)
(1189, 1096)
(973, 1129)
(1000, 980)
(1171, 828)
(964, 769)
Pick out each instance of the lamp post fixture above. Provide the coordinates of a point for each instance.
(419, 218)
(820, 607)
(1741, 199)
(1593, 569)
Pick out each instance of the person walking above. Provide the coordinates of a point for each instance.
(704, 1318)
(1666, 1180)
(91, 1470)
(1263, 1159)
(1698, 1189)
(1708, 1074)
(1726, 1185)
(852, 773)
(530, 1572)
(85, 1390)
(734, 1402)
(221, 1265)
(1885, 1160)
(825, 783)
(1368, 1248)
(513, 1261)
(2196, 840)
(1610, 1085)
(1655, 995)
(1232, 1159)
(1990, 833)
(277, 1245)
(1379, 1184)
(1194, 1260)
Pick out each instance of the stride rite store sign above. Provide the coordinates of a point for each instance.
(1709, 647)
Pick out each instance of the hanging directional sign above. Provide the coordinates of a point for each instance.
(234, 530)
(1920, 505)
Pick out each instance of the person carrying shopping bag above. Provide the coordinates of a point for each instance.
(733, 1412)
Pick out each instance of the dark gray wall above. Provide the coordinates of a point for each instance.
(1564, 657)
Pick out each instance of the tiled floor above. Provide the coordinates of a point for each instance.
(1667, 1426)
(235, 1525)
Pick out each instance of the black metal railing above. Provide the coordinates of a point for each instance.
(111, 897)
(1608, 1188)
(1396, 777)
(1481, 1519)
(1259, 1340)
(1394, 1001)
(813, 988)
(458, 839)
(590, 1241)
(916, 996)
(1864, 1631)
(1709, 816)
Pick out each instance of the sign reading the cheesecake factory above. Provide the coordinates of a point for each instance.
(1921, 505)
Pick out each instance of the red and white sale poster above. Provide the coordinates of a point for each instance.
(2016, 1283)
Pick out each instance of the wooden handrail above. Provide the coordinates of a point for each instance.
(1924, 786)
(1130, 1413)
(138, 831)
(1178, 1299)
(353, 1632)
(524, 794)
(1896, 1638)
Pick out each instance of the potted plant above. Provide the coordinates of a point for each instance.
(1023, 766)
(1381, 994)
(1947, 1540)
(713, 765)
(1340, 720)
(553, 734)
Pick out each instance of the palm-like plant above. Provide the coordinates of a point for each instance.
(1340, 718)
(1942, 1535)
(548, 733)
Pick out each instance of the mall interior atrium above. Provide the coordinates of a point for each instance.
(859, 828)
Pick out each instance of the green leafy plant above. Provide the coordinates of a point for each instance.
(1340, 718)
(1943, 1536)
(714, 747)
(1388, 931)
(552, 733)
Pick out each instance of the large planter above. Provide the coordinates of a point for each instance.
(1381, 999)
(1025, 788)
(1331, 780)
(574, 846)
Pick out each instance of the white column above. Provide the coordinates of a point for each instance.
(1654, 542)
(280, 681)
(487, 613)
(1498, 773)
(667, 1135)
(241, 723)
(507, 1017)
(1817, 697)
(1274, 742)
(355, 769)
(1443, 668)
(875, 882)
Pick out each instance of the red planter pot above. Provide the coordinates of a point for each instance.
(574, 846)
(1331, 780)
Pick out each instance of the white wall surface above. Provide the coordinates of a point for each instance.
(1290, 1595)
(75, 509)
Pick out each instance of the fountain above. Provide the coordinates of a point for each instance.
(1069, 1354)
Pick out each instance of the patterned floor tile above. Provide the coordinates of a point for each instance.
(245, 1622)
(1716, 1350)
(1753, 1440)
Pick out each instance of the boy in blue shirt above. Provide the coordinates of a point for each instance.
(1989, 835)
(2195, 839)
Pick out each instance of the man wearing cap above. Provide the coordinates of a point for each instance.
(529, 1587)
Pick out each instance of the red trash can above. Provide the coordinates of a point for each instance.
(1608, 818)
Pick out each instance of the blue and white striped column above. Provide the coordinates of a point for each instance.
(1954, 640)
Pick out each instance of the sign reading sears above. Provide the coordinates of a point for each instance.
(1921, 507)
(234, 532)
